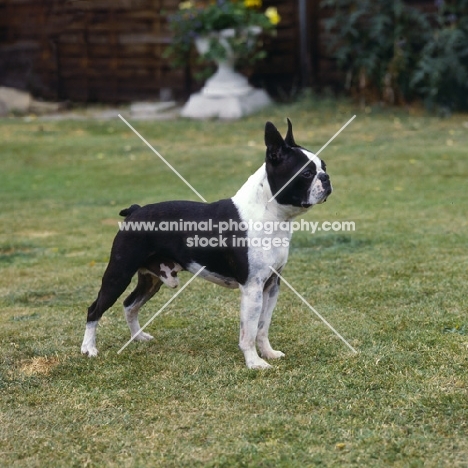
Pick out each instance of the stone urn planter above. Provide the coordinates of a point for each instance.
(227, 94)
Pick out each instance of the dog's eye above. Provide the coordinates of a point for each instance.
(307, 173)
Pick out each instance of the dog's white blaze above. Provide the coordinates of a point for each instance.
(315, 159)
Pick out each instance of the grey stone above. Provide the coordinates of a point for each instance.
(15, 100)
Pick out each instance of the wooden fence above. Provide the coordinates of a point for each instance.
(112, 50)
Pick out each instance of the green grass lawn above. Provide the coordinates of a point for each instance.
(396, 289)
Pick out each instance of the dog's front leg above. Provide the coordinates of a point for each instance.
(251, 308)
(270, 296)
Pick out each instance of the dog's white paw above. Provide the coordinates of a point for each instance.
(272, 354)
(142, 336)
(258, 364)
(89, 349)
(88, 345)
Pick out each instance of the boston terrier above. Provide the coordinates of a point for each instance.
(237, 240)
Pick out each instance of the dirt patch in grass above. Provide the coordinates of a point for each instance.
(41, 365)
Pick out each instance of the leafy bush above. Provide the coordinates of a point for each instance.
(400, 52)
(441, 73)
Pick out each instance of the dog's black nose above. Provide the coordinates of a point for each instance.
(324, 177)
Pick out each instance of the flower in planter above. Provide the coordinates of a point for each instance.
(272, 14)
(244, 18)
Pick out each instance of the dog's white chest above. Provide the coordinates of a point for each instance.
(268, 250)
(268, 234)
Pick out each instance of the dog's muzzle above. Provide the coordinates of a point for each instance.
(325, 179)
(326, 184)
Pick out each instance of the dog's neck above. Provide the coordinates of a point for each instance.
(252, 200)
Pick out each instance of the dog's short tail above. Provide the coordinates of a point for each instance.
(130, 210)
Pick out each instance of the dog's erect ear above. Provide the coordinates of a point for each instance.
(289, 140)
(273, 139)
(274, 143)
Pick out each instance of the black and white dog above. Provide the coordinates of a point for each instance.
(235, 256)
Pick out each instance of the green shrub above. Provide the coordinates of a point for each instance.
(441, 73)
(402, 53)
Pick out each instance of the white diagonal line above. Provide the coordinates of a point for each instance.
(316, 154)
(161, 309)
(315, 312)
(163, 160)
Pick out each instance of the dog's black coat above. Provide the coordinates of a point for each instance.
(133, 250)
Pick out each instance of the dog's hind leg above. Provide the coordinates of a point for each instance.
(116, 278)
(112, 287)
(270, 296)
(148, 285)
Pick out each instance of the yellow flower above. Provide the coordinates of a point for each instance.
(272, 14)
(185, 5)
(253, 3)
